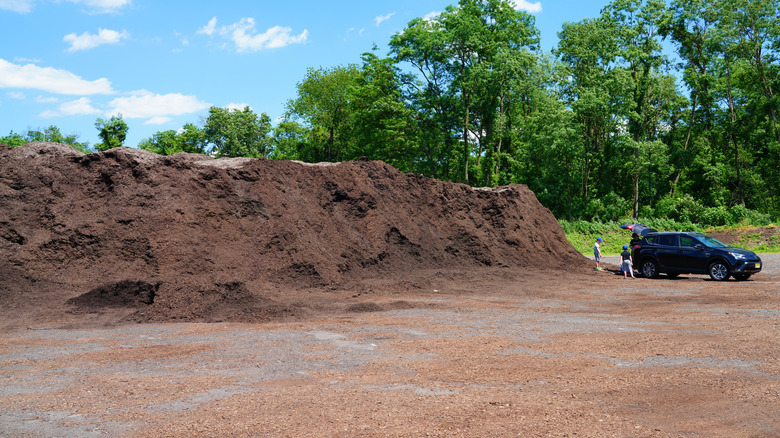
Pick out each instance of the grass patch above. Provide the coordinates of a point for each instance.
(582, 235)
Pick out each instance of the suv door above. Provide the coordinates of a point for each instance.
(667, 251)
(691, 258)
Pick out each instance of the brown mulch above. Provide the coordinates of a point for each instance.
(191, 238)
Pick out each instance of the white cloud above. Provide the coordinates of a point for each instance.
(144, 104)
(95, 6)
(525, 5)
(49, 79)
(432, 16)
(160, 120)
(41, 99)
(237, 106)
(210, 28)
(246, 39)
(82, 106)
(102, 6)
(88, 41)
(78, 107)
(27, 60)
(18, 95)
(20, 6)
(379, 20)
(182, 38)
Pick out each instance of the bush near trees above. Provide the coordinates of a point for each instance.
(112, 131)
(603, 127)
(50, 134)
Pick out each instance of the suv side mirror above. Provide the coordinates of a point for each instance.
(698, 246)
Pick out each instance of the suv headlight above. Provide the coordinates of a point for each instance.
(738, 255)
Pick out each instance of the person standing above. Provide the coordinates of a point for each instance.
(633, 244)
(597, 253)
(627, 262)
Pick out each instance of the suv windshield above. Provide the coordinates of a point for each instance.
(711, 241)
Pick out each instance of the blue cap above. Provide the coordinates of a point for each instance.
(599, 239)
(625, 246)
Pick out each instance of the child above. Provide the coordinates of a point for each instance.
(626, 266)
(597, 253)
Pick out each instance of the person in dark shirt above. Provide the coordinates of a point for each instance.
(635, 239)
(627, 262)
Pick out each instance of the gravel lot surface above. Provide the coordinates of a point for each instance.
(589, 355)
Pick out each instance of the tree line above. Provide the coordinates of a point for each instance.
(603, 127)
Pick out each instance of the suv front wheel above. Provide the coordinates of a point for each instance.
(649, 269)
(719, 271)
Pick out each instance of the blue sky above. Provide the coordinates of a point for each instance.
(162, 64)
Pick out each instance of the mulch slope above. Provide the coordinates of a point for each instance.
(195, 238)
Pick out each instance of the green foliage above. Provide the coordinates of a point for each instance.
(14, 139)
(112, 131)
(682, 208)
(189, 139)
(237, 133)
(323, 102)
(50, 134)
(290, 140)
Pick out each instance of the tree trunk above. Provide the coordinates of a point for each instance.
(734, 139)
(330, 144)
(466, 141)
(676, 178)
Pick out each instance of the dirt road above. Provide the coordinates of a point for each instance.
(522, 355)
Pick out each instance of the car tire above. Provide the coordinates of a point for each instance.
(719, 271)
(741, 277)
(649, 268)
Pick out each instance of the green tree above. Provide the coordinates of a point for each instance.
(427, 89)
(323, 102)
(467, 57)
(189, 139)
(112, 131)
(381, 124)
(238, 133)
(480, 37)
(291, 141)
(691, 26)
(13, 139)
(647, 94)
(50, 134)
(588, 51)
(750, 68)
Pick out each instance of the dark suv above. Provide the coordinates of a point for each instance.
(692, 253)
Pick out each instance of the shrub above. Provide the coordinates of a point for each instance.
(744, 216)
(680, 208)
(716, 216)
(607, 208)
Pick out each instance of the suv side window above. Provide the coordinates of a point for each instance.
(687, 241)
(650, 239)
(667, 240)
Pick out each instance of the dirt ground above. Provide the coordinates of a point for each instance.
(148, 296)
(510, 354)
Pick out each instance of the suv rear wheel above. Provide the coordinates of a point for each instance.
(719, 271)
(649, 268)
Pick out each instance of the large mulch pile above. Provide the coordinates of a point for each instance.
(188, 237)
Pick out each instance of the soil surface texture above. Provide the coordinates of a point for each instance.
(148, 296)
(128, 235)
